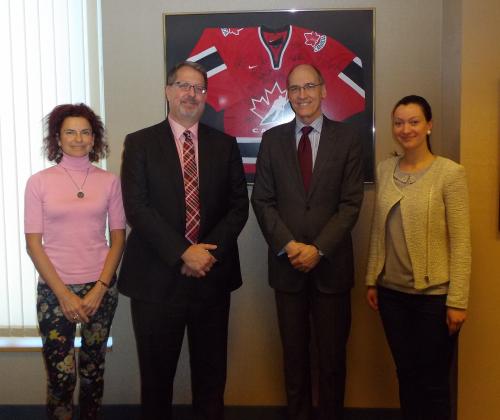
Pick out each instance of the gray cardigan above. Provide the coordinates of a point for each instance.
(435, 213)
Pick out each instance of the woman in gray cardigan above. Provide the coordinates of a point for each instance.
(419, 261)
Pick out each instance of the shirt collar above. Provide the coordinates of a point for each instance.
(178, 129)
(316, 124)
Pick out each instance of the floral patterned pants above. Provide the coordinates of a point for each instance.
(58, 336)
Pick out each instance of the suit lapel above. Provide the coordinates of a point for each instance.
(325, 151)
(204, 169)
(172, 161)
(289, 153)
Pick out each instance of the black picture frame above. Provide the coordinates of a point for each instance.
(349, 28)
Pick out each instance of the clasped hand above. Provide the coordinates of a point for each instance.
(77, 309)
(198, 260)
(303, 257)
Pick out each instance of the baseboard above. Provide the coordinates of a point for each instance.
(183, 412)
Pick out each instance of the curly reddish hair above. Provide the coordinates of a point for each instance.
(54, 121)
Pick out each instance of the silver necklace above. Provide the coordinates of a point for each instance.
(80, 193)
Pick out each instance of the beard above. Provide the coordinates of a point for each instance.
(191, 108)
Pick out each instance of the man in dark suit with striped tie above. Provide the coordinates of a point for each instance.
(307, 195)
(186, 202)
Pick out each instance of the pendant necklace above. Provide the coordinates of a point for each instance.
(80, 193)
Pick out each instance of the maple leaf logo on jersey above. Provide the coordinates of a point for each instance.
(315, 40)
(231, 31)
(273, 108)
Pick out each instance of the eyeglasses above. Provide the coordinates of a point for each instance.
(308, 87)
(186, 87)
(87, 132)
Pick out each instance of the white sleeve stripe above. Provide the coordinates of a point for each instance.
(202, 54)
(248, 139)
(216, 70)
(358, 61)
(353, 85)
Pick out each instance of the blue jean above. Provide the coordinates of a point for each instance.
(58, 336)
(417, 333)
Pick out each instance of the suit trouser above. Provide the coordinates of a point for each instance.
(331, 320)
(159, 331)
(416, 330)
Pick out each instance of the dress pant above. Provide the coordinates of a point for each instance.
(416, 330)
(331, 318)
(159, 330)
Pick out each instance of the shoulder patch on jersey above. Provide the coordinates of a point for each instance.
(231, 31)
(315, 40)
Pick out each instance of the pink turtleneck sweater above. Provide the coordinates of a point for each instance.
(74, 228)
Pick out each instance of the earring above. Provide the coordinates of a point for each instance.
(428, 132)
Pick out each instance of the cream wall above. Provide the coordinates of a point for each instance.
(413, 41)
(479, 380)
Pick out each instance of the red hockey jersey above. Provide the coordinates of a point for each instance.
(247, 70)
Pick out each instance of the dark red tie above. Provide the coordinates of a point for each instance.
(304, 153)
(191, 189)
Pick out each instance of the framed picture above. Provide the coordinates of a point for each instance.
(249, 55)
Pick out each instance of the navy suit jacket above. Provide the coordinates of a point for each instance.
(153, 197)
(323, 216)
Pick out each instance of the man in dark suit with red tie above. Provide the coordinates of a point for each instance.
(186, 202)
(307, 195)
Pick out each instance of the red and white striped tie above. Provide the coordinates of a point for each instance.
(191, 189)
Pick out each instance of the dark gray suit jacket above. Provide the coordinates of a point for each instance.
(153, 197)
(324, 216)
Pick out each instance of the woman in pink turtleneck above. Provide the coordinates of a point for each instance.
(66, 210)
